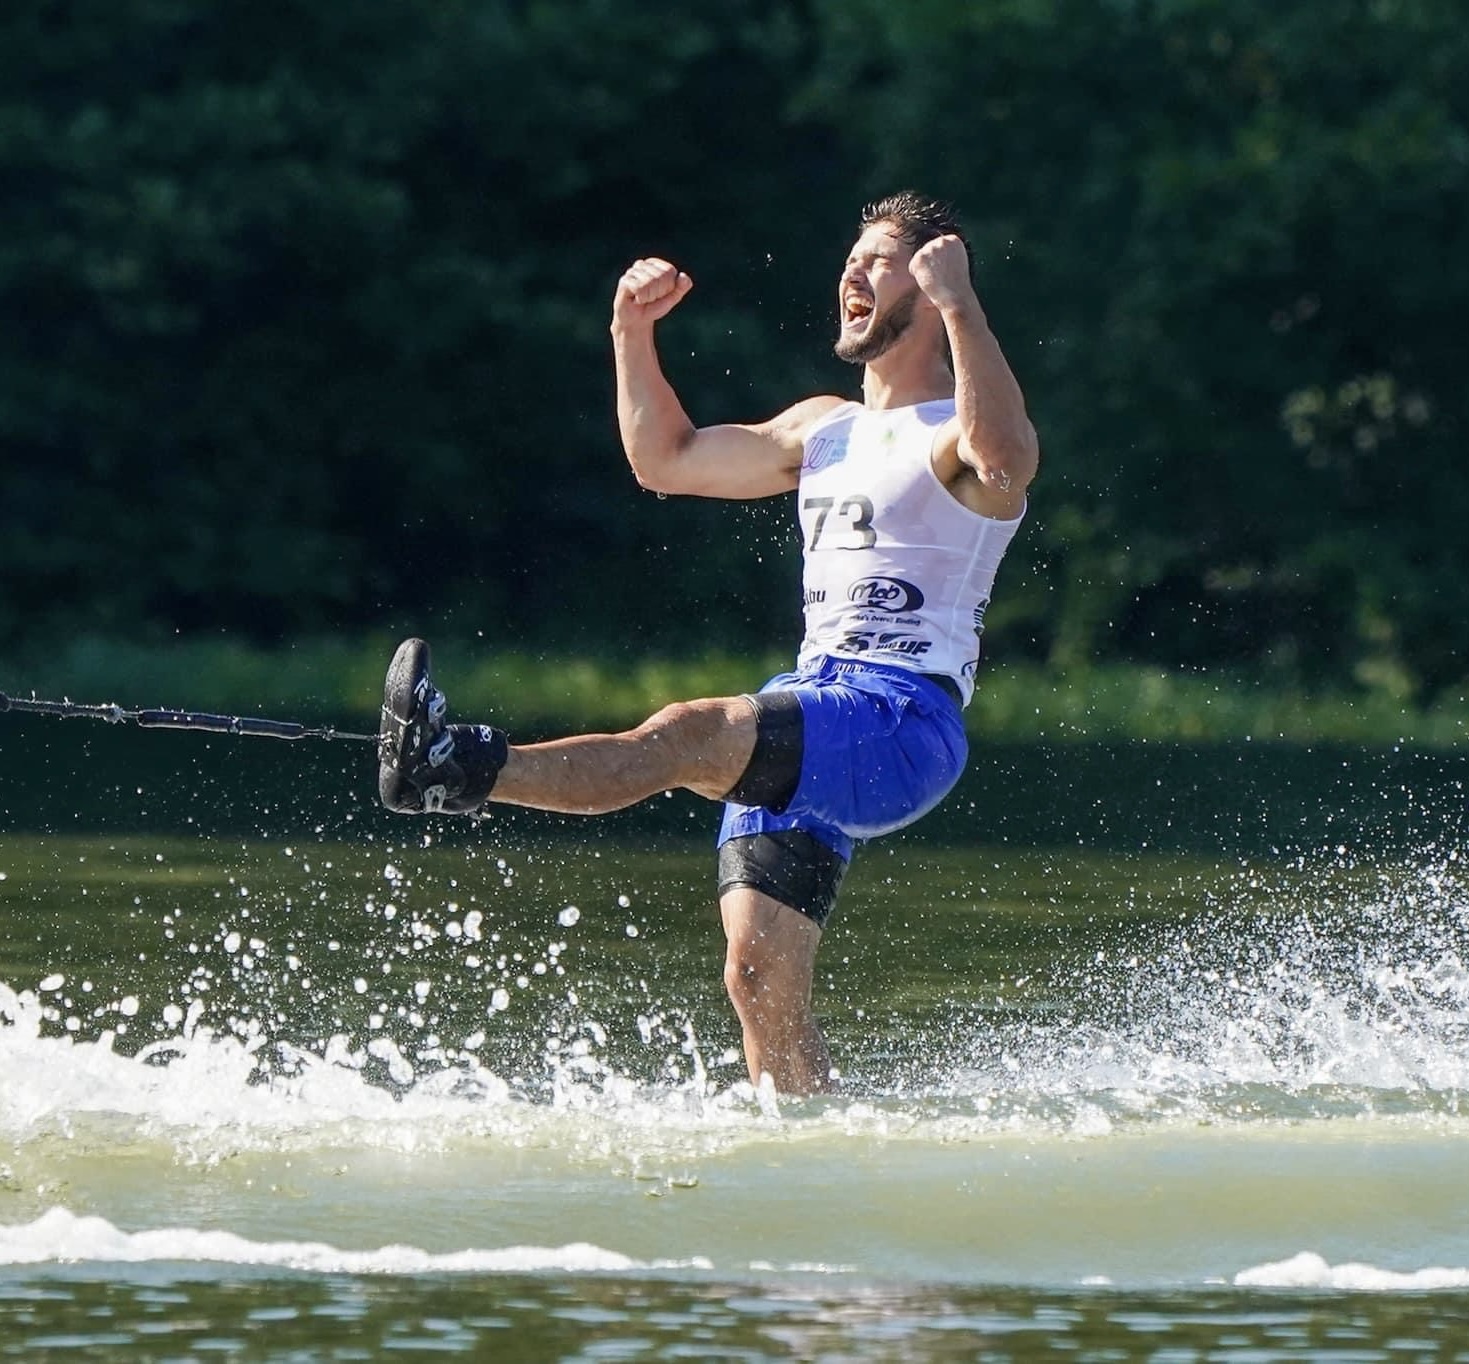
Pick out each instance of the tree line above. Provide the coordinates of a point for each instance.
(306, 312)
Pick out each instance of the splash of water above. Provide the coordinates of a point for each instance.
(1335, 988)
(1344, 990)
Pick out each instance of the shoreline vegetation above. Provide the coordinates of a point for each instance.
(540, 694)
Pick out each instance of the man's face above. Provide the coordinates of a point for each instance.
(877, 297)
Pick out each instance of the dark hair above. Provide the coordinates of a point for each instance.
(917, 219)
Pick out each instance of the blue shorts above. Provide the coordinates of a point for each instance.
(881, 747)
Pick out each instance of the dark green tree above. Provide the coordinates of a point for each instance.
(309, 308)
(306, 310)
(1226, 246)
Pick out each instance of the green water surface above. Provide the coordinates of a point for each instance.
(1110, 1032)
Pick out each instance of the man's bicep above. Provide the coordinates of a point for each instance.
(747, 461)
(733, 461)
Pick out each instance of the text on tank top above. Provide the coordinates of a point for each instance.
(897, 570)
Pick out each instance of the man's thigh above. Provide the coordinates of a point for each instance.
(771, 939)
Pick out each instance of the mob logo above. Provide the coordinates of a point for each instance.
(885, 594)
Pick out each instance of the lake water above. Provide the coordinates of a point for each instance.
(1147, 1055)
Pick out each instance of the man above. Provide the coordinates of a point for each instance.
(907, 502)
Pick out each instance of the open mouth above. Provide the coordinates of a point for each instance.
(856, 309)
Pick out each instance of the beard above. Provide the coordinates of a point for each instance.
(882, 335)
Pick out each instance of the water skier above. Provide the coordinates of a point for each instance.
(907, 502)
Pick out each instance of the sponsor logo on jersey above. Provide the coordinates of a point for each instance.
(886, 618)
(814, 596)
(884, 642)
(908, 645)
(892, 595)
(821, 452)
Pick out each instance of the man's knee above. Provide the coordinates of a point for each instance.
(702, 745)
(742, 979)
(761, 974)
(678, 720)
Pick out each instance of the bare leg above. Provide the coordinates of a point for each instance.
(703, 746)
(768, 967)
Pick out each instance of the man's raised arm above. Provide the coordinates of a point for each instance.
(995, 437)
(667, 452)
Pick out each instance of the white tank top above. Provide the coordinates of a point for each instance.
(897, 570)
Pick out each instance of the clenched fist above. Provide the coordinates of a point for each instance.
(648, 290)
(941, 269)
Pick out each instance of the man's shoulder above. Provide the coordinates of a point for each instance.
(810, 411)
(792, 426)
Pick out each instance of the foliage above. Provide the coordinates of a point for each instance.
(1227, 246)
(307, 312)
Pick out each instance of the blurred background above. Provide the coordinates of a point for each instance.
(305, 327)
